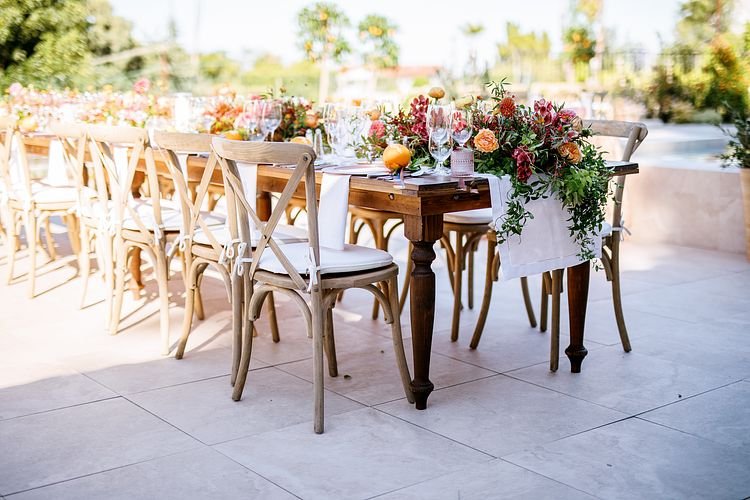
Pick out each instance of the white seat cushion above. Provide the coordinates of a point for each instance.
(606, 229)
(282, 234)
(43, 194)
(171, 216)
(478, 216)
(351, 259)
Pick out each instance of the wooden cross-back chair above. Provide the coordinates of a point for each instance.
(634, 134)
(136, 218)
(300, 269)
(30, 203)
(204, 239)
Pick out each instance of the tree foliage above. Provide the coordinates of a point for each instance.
(380, 49)
(321, 32)
(43, 41)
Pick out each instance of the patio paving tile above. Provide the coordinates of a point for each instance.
(63, 444)
(495, 479)
(272, 400)
(722, 415)
(638, 459)
(368, 373)
(28, 387)
(500, 415)
(362, 454)
(628, 382)
(200, 473)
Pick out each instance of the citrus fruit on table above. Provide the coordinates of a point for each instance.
(301, 140)
(233, 135)
(396, 156)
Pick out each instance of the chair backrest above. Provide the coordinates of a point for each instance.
(634, 133)
(173, 148)
(9, 130)
(116, 152)
(229, 153)
(72, 136)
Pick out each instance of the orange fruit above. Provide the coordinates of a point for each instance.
(28, 124)
(301, 140)
(233, 135)
(396, 156)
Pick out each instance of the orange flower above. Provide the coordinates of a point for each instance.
(485, 141)
(570, 151)
(507, 107)
(436, 93)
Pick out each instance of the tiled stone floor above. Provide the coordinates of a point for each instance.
(88, 415)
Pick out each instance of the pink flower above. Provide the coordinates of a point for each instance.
(545, 112)
(15, 89)
(377, 129)
(566, 115)
(524, 160)
(142, 86)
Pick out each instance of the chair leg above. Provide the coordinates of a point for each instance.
(398, 340)
(543, 307)
(240, 323)
(200, 313)
(191, 285)
(74, 229)
(31, 238)
(272, 317)
(470, 274)
(84, 261)
(108, 270)
(119, 286)
(457, 274)
(329, 344)
(381, 244)
(527, 301)
(617, 296)
(407, 281)
(246, 331)
(554, 355)
(11, 245)
(487, 297)
(162, 277)
(49, 240)
(318, 382)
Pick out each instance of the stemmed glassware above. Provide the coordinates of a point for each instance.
(461, 128)
(252, 120)
(438, 121)
(270, 117)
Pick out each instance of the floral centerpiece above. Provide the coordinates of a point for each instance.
(544, 150)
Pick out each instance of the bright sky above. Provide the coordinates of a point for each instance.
(428, 32)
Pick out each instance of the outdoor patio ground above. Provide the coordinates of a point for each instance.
(88, 415)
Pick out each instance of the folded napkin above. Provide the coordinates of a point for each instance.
(333, 210)
(545, 243)
(249, 177)
(57, 173)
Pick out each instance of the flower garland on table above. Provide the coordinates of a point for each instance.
(545, 151)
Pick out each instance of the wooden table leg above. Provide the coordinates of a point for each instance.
(423, 232)
(578, 293)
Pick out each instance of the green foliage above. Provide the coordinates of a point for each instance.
(579, 44)
(217, 67)
(702, 20)
(728, 80)
(320, 32)
(377, 33)
(43, 42)
(739, 143)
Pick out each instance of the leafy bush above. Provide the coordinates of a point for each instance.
(728, 81)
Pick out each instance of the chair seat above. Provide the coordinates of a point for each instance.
(478, 216)
(283, 234)
(45, 194)
(171, 216)
(352, 258)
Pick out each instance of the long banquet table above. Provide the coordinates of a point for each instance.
(422, 202)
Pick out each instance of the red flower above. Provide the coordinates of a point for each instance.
(142, 86)
(507, 107)
(524, 160)
(545, 112)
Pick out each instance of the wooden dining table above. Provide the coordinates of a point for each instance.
(422, 201)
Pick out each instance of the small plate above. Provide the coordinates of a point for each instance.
(357, 170)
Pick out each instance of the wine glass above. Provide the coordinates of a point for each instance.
(438, 120)
(252, 119)
(270, 118)
(440, 146)
(461, 127)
